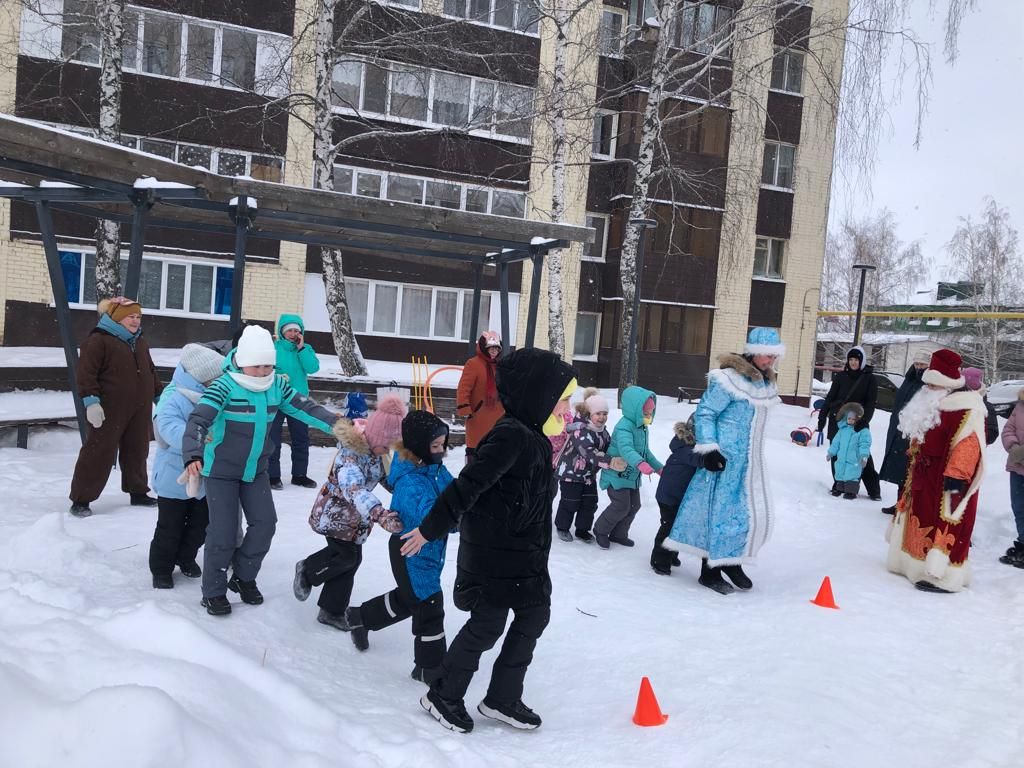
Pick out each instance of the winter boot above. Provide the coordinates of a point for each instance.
(624, 541)
(80, 510)
(836, 492)
(849, 496)
(276, 484)
(247, 590)
(217, 606)
(333, 620)
(518, 715)
(305, 482)
(712, 579)
(661, 569)
(1014, 555)
(300, 584)
(603, 541)
(564, 535)
(585, 536)
(451, 714)
(191, 569)
(675, 559)
(360, 634)
(142, 500)
(927, 586)
(428, 675)
(889, 510)
(163, 581)
(737, 576)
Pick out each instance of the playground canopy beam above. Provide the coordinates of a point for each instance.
(927, 314)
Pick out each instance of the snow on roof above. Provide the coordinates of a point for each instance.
(542, 240)
(875, 339)
(46, 183)
(934, 322)
(652, 21)
(148, 182)
(249, 201)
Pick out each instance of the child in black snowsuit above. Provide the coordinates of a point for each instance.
(502, 505)
(675, 479)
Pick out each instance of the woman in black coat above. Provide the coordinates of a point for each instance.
(894, 465)
(854, 384)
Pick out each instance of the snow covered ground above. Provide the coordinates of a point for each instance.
(97, 669)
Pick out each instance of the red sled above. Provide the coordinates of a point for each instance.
(801, 436)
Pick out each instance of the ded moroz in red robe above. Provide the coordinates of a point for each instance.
(931, 533)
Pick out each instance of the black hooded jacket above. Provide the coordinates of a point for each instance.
(849, 386)
(501, 501)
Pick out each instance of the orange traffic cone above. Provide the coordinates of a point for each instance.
(824, 598)
(647, 710)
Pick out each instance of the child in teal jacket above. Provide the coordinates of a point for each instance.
(850, 450)
(296, 360)
(629, 441)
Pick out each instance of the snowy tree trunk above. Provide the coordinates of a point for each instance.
(110, 20)
(559, 147)
(345, 344)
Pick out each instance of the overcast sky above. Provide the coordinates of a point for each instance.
(973, 142)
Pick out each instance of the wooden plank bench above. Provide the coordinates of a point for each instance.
(688, 394)
(22, 425)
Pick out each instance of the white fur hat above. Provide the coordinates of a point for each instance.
(256, 347)
(597, 404)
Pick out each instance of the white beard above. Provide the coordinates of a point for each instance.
(921, 413)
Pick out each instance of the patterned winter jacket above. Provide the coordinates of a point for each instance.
(346, 508)
(585, 453)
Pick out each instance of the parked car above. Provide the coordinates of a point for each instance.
(1003, 396)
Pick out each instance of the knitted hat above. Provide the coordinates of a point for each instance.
(944, 370)
(384, 425)
(288, 326)
(597, 403)
(201, 363)
(419, 430)
(255, 347)
(923, 356)
(764, 341)
(973, 378)
(119, 308)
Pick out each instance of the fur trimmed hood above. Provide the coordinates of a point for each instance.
(684, 431)
(857, 408)
(350, 436)
(405, 454)
(745, 368)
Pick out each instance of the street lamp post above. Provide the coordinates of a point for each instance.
(864, 269)
(632, 366)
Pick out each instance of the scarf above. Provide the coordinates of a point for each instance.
(253, 383)
(118, 331)
(491, 393)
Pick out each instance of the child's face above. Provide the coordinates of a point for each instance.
(258, 371)
(851, 419)
(599, 419)
(561, 408)
(437, 444)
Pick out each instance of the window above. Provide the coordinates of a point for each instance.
(416, 304)
(518, 15)
(231, 164)
(595, 251)
(606, 127)
(446, 307)
(81, 37)
(695, 127)
(357, 295)
(588, 326)
(705, 28)
(238, 59)
(199, 57)
(385, 308)
(195, 156)
(369, 184)
(443, 195)
(403, 189)
(769, 255)
(408, 91)
(346, 84)
(611, 32)
(777, 170)
(483, 318)
(508, 204)
(666, 328)
(451, 99)
(161, 46)
(266, 168)
(787, 70)
(513, 110)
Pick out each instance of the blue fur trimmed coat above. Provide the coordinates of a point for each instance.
(726, 516)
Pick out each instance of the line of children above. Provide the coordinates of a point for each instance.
(346, 509)
(849, 451)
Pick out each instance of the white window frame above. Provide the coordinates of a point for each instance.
(597, 337)
(623, 15)
(598, 115)
(769, 246)
(775, 171)
(786, 54)
(490, 17)
(604, 240)
(695, 6)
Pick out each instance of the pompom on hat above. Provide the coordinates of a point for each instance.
(764, 341)
(384, 426)
(119, 307)
(255, 347)
(944, 370)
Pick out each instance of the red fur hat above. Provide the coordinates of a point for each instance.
(944, 370)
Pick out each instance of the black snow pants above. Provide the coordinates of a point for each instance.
(579, 501)
(335, 567)
(180, 532)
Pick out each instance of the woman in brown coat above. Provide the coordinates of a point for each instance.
(117, 382)
(477, 395)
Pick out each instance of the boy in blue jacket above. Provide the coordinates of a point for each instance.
(850, 450)
(675, 479)
(417, 476)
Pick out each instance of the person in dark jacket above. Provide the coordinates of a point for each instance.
(854, 384)
(675, 479)
(117, 383)
(894, 465)
(501, 503)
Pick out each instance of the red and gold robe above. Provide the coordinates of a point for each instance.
(931, 533)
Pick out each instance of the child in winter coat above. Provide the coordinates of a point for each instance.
(675, 479)
(296, 360)
(181, 518)
(227, 441)
(1013, 442)
(346, 509)
(629, 441)
(417, 478)
(850, 450)
(585, 453)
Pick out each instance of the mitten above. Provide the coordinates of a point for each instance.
(714, 461)
(618, 464)
(954, 485)
(645, 468)
(94, 415)
(829, 457)
(191, 484)
(1017, 454)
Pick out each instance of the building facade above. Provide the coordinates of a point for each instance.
(447, 103)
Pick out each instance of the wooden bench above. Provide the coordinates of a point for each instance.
(689, 394)
(23, 424)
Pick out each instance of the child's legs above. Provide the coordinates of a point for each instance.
(617, 510)
(661, 557)
(428, 632)
(396, 605)
(850, 486)
(477, 636)
(196, 520)
(588, 506)
(274, 462)
(221, 533)
(1017, 502)
(510, 667)
(337, 589)
(299, 439)
(167, 538)
(621, 530)
(568, 504)
(261, 522)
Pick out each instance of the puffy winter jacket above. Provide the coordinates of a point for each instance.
(629, 440)
(502, 500)
(1013, 433)
(176, 404)
(293, 363)
(894, 465)
(416, 488)
(680, 467)
(471, 397)
(850, 447)
(586, 452)
(116, 370)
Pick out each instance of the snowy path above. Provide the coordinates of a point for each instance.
(97, 669)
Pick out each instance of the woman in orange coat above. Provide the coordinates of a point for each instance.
(477, 395)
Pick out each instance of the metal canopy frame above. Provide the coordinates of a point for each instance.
(57, 170)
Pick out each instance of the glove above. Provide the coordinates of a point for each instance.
(863, 462)
(829, 457)
(714, 461)
(94, 415)
(618, 464)
(954, 485)
(645, 468)
(1016, 454)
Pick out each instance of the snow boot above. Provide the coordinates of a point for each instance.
(191, 569)
(428, 675)
(217, 606)
(875, 497)
(624, 541)
(889, 510)
(736, 575)
(927, 586)
(305, 482)
(163, 581)
(661, 570)
(360, 634)
(276, 484)
(141, 500)
(712, 579)
(675, 559)
(849, 496)
(836, 492)
(564, 535)
(300, 584)
(518, 715)
(1014, 555)
(333, 620)
(603, 541)
(585, 536)
(247, 590)
(80, 510)
(451, 714)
